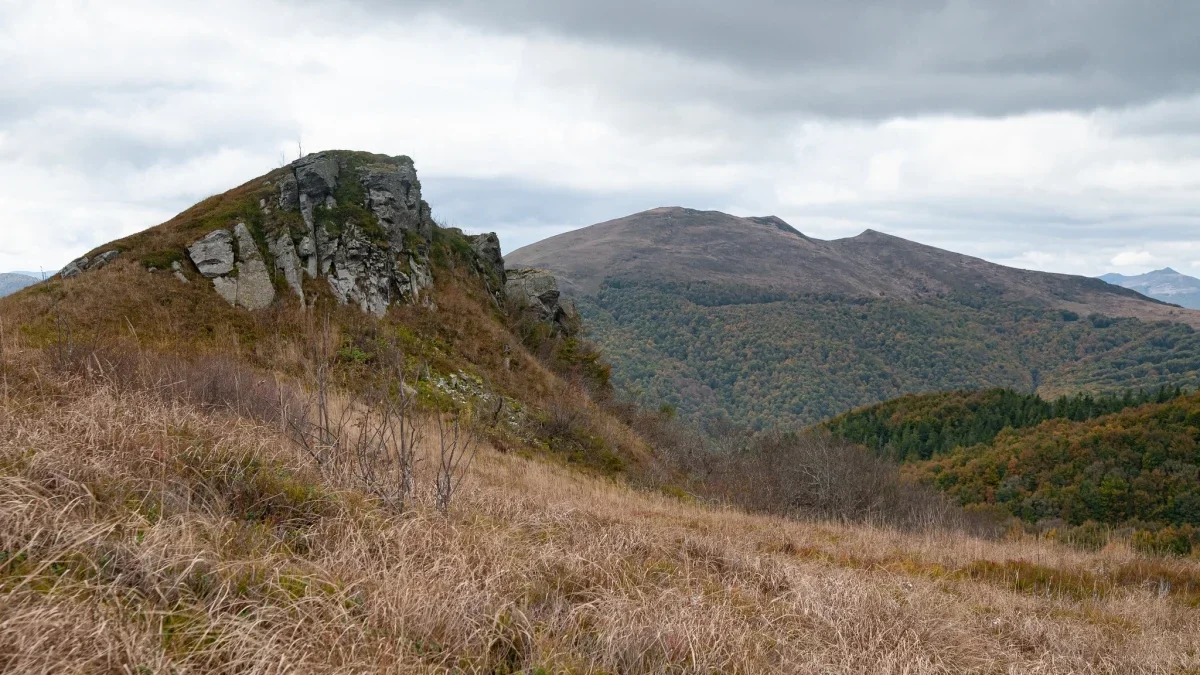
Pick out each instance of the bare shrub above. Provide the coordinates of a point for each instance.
(456, 451)
(806, 475)
(369, 438)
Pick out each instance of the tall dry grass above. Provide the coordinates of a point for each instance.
(150, 533)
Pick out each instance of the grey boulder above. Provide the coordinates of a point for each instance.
(213, 255)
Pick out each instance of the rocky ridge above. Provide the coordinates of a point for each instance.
(357, 222)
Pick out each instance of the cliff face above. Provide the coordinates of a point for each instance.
(354, 220)
(362, 226)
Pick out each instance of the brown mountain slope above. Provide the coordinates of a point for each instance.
(684, 245)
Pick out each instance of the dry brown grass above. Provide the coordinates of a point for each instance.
(139, 534)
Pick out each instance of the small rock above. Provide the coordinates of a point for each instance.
(75, 267)
(103, 259)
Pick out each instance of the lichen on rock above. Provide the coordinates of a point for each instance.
(358, 222)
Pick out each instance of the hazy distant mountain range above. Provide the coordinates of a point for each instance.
(11, 282)
(1165, 284)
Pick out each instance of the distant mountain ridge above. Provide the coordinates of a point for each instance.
(1165, 284)
(674, 244)
(11, 282)
(750, 320)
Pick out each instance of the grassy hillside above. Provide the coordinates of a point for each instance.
(145, 532)
(769, 358)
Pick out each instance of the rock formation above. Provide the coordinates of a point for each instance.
(537, 291)
(356, 222)
(81, 265)
(241, 279)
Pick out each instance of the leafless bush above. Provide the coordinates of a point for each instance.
(562, 416)
(809, 475)
(370, 438)
(456, 451)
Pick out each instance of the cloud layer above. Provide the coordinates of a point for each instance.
(1058, 136)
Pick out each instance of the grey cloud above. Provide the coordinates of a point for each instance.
(868, 58)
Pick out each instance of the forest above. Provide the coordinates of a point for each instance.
(920, 427)
(771, 360)
(1137, 469)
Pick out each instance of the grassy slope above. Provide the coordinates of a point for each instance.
(126, 304)
(143, 534)
(771, 359)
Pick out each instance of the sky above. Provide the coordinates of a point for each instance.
(1060, 136)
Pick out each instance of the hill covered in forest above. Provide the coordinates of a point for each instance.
(750, 320)
(1081, 464)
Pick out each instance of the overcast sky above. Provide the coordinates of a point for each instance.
(1059, 136)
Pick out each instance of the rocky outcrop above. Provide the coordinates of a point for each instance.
(356, 222)
(489, 263)
(537, 292)
(213, 255)
(84, 264)
(287, 262)
(365, 228)
(241, 279)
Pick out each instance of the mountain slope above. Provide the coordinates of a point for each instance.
(1140, 465)
(147, 535)
(11, 282)
(748, 319)
(343, 237)
(1165, 284)
(687, 246)
(1129, 461)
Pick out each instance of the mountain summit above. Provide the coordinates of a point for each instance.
(749, 318)
(685, 245)
(1165, 284)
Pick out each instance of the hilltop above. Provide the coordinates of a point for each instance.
(1165, 284)
(749, 320)
(11, 282)
(679, 245)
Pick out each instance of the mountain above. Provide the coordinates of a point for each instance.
(750, 319)
(11, 282)
(1165, 284)
(302, 428)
